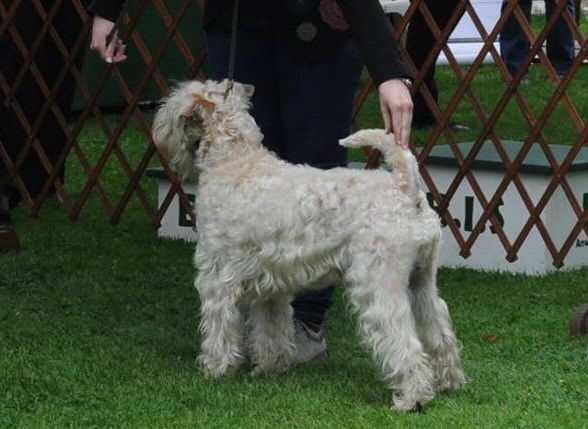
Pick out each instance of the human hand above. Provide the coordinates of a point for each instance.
(113, 52)
(396, 108)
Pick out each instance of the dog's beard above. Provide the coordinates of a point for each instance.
(184, 159)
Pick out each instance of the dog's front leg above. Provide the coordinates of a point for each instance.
(221, 325)
(271, 333)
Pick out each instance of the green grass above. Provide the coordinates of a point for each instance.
(98, 329)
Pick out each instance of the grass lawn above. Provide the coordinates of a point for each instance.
(98, 329)
(98, 326)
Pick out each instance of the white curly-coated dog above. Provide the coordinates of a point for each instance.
(268, 229)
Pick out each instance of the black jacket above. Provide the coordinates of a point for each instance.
(109, 9)
(368, 25)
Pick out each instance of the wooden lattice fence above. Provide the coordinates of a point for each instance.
(163, 33)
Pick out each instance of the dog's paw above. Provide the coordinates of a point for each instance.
(273, 367)
(208, 372)
(448, 374)
(213, 369)
(256, 372)
(405, 405)
(451, 379)
(413, 398)
(418, 408)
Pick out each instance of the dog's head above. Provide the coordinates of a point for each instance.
(187, 113)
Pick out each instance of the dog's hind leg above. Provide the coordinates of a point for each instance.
(221, 325)
(434, 322)
(378, 291)
(271, 341)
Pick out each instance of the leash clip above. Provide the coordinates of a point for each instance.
(230, 85)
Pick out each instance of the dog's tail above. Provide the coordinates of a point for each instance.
(402, 160)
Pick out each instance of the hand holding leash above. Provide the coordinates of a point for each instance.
(105, 41)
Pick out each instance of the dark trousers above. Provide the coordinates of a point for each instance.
(514, 45)
(49, 61)
(419, 42)
(303, 108)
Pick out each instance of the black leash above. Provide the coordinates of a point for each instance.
(232, 48)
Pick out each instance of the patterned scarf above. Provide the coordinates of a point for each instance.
(332, 15)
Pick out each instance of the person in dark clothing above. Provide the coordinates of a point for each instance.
(419, 43)
(28, 96)
(514, 45)
(304, 58)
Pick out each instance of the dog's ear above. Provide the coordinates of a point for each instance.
(164, 133)
(176, 138)
(200, 109)
(243, 89)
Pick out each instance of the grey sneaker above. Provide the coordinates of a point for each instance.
(310, 344)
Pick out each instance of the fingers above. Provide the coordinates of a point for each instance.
(115, 51)
(386, 116)
(396, 107)
(112, 52)
(401, 124)
(100, 29)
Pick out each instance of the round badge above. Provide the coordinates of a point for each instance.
(306, 31)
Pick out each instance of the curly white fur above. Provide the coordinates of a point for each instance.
(268, 229)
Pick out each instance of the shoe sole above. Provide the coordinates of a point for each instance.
(315, 359)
